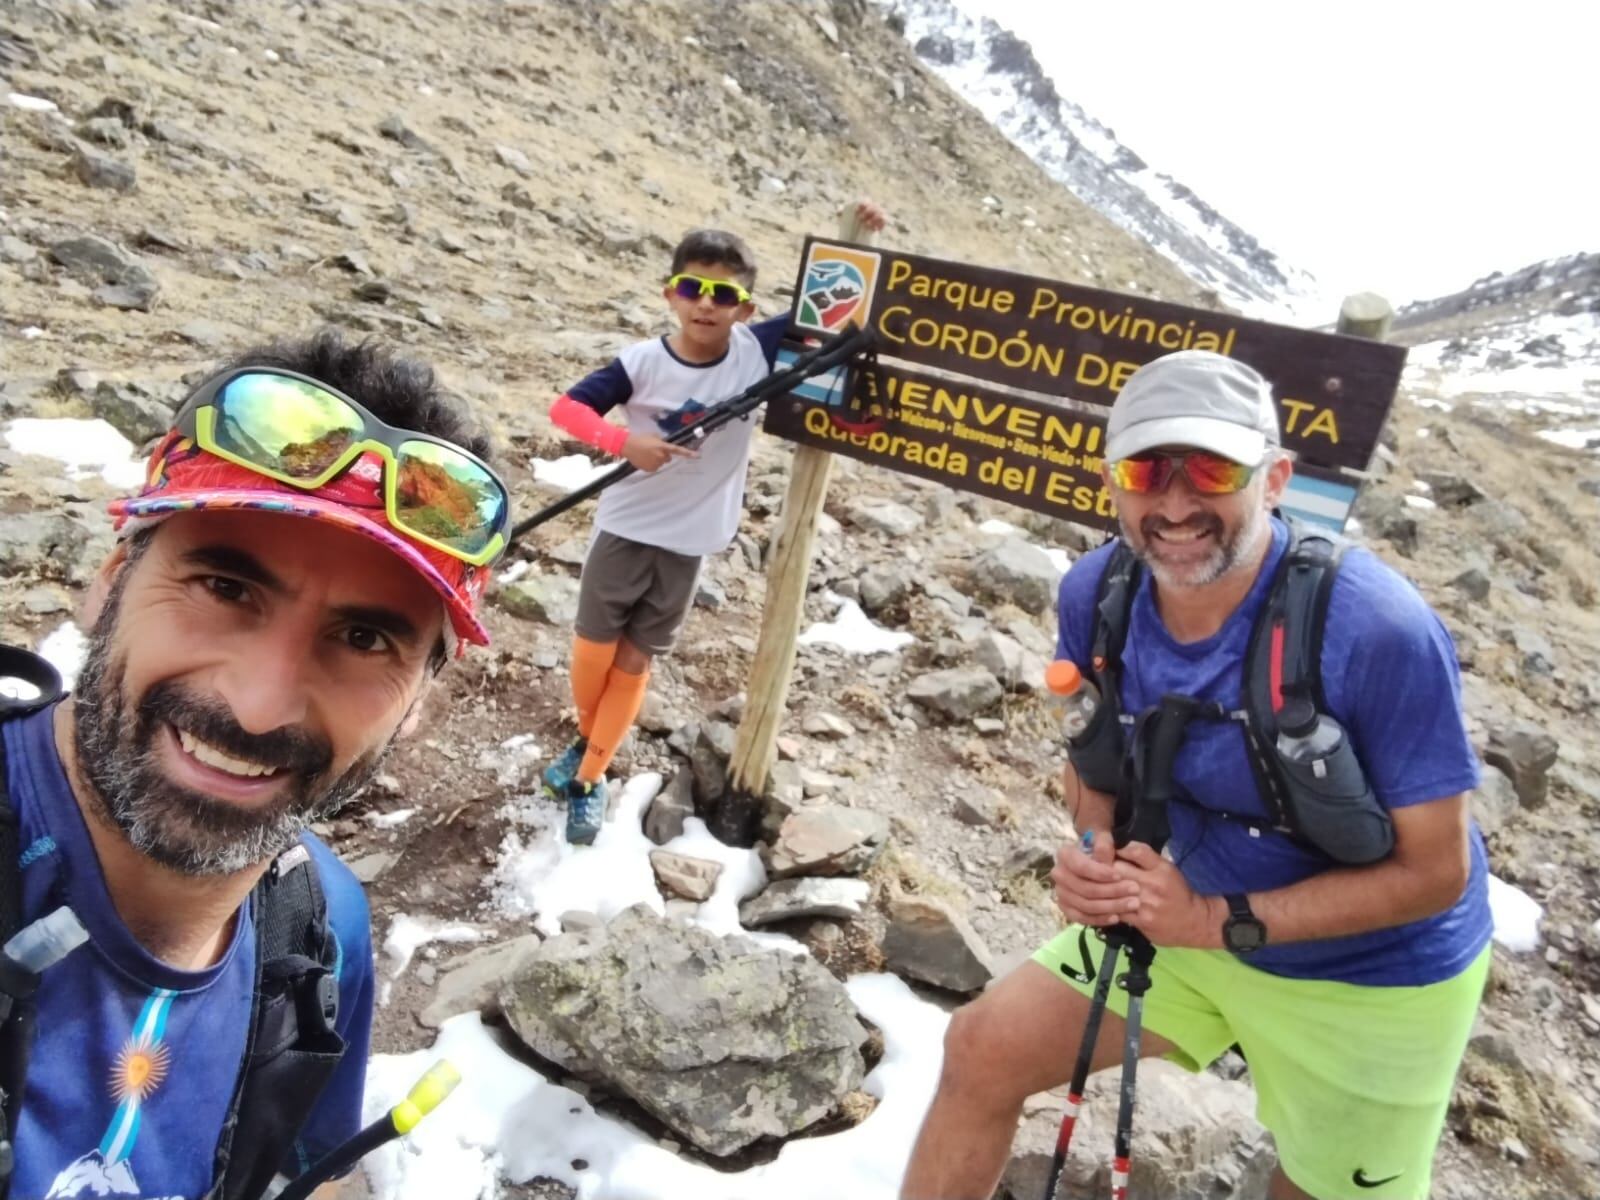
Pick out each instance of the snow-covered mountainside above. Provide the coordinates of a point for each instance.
(996, 71)
(1524, 343)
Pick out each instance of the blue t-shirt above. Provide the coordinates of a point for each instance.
(134, 1063)
(1391, 679)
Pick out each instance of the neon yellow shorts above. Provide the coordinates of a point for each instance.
(1353, 1081)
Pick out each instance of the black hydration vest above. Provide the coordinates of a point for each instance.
(291, 1047)
(1327, 803)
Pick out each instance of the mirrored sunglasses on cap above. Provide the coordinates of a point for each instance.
(302, 433)
(1209, 474)
(724, 293)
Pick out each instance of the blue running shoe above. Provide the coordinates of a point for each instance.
(565, 769)
(586, 811)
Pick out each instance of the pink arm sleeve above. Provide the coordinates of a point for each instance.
(588, 426)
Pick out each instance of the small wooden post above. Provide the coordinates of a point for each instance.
(1366, 315)
(737, 818)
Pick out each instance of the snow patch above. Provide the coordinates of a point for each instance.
(1516, 916)
(568, 473)
(408, 934)
(31, 103)
(510, 760)
(853, 632)
(87, 447)
(64, 648)
(505, 1119)
(391, 820)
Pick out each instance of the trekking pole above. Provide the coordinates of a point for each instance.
(424, 1097)
(1141, 816)
(1080, 1069)
(831, 352)
(1136, 983)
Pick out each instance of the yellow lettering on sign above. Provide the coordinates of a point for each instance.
(1326, 424)
(1296, 408)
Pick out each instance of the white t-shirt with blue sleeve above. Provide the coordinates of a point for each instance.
(134, 1063)
(689, 506)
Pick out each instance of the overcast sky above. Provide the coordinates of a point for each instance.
(1406, 147)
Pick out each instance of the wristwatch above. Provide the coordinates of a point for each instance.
(1243, 931)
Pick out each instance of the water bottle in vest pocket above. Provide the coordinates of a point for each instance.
(1329, 801)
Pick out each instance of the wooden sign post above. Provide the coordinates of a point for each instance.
(737, 818)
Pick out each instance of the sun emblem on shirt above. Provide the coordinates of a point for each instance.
(139, 1069)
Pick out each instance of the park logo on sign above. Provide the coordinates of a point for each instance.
(836, 287)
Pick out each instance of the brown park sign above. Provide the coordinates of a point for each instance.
(1000, 331)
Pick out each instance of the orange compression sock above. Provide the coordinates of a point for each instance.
(614, 716)
(591, 661)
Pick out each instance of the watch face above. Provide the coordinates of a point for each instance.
(1244, 934)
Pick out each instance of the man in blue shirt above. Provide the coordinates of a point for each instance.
(245, 675)
(1350, 989)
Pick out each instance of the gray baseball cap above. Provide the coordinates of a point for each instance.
(1194, 398)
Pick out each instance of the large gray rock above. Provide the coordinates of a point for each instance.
(102, 260)
(1386, 515)
(691, 878)
(884, 586)
(1495, 801)
(885, 516)
(46, 544)
(126, 282)
(102, 171)
(1450, 490)
(807, 897)
(1017, 668)
(1525, 752)
(1473, 583)
(722, 1042)
(131, 410)
(930, 941)
(673, 805)
(1195, 1137)
(1018, 572)
(708, 762)
(959, 693)
(827, 839)
(550, 599)
(472, 981)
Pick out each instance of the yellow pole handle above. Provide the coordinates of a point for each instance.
(424, 1097)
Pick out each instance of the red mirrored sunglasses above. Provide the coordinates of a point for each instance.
(1207, 473)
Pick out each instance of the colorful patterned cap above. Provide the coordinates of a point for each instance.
(183, 478)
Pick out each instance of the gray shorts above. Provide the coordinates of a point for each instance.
(632, 590)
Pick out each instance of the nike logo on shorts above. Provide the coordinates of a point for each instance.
(1360, 1179)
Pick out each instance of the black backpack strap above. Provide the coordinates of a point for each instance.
(15, 1033)
(10, 855)
(292, 1048)
(1113, 608)
(11, 1052)
(1284, 660)
(1097, 753)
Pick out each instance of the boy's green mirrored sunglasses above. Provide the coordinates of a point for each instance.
(302, 433)
(724, 293)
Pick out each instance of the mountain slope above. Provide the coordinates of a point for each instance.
(997, 72)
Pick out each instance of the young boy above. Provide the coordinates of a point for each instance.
(653, 528)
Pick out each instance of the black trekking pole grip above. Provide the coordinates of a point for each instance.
(830, 353)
